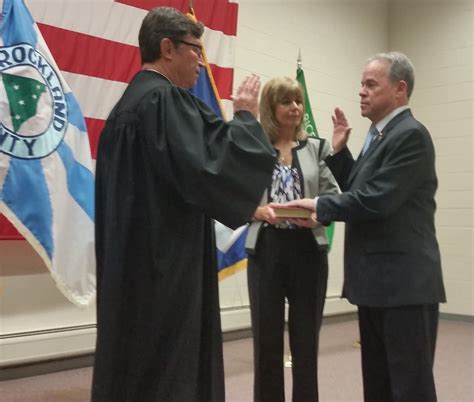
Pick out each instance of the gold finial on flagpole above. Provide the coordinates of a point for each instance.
(191, 4)
(300, 60)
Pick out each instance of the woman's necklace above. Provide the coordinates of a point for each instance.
(284, 158)
(285, 155)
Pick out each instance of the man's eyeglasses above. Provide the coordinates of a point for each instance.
(196, 48)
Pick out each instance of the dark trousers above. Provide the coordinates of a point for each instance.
(288, 265)
(398, 347)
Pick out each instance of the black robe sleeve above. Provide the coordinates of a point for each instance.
(221, 168)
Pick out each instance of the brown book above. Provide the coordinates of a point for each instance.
(292, 212)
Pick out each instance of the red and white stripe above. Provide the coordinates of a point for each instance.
(95, 44)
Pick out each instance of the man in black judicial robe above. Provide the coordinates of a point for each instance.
(167, 166)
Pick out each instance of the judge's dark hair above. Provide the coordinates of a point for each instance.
(279, 90)
(400, 68)
(161, 23)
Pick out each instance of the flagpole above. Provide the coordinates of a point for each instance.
(191, 14)
(299, 62)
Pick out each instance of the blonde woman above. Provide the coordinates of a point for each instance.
(287, 261)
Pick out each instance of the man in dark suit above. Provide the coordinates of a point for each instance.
(392, 268)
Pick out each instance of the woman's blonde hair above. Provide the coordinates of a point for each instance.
(274, 92)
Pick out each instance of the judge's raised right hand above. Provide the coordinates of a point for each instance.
(246, 97)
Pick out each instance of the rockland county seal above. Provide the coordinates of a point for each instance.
(33, 108)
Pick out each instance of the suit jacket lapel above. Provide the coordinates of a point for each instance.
(376, 142)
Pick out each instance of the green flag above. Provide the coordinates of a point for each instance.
(310, 128)
(309, 125)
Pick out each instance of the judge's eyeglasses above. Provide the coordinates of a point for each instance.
(196, 48)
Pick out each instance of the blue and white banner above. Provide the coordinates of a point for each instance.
(46, 173)
(231, 254)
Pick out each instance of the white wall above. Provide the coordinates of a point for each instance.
(438, 37)
(36, 320)
(335, 37)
